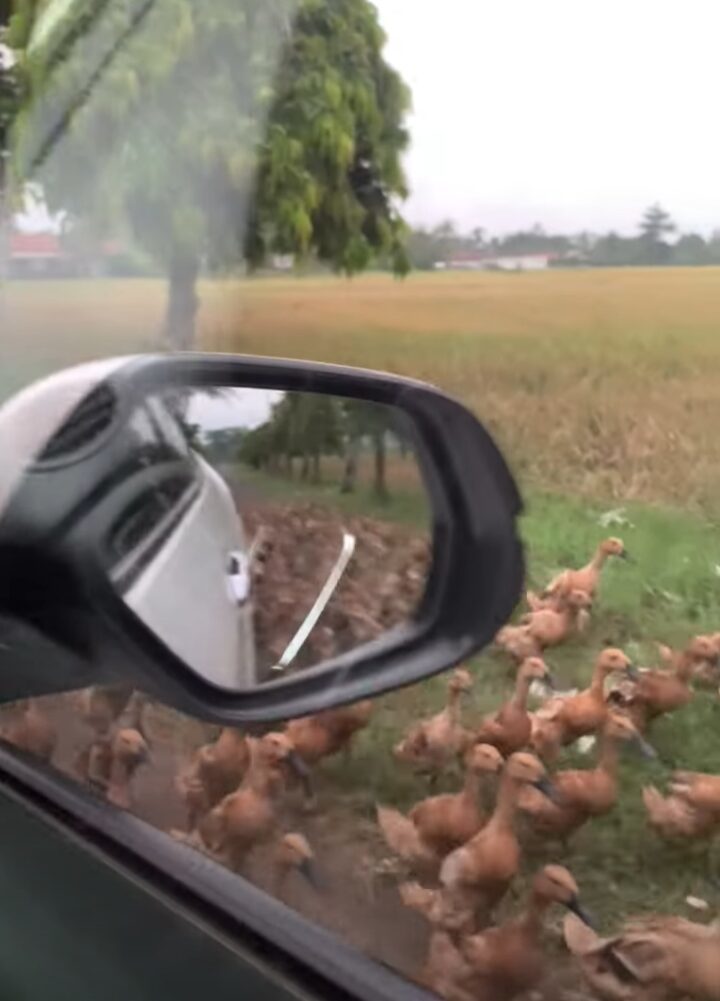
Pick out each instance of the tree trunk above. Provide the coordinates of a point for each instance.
(316, 468)
(381, 490)
(6, 218)
(351, 466)
(305, 468)
(182, 302)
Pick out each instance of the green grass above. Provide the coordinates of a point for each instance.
(669, 590)
(404, 506)
(669, 593)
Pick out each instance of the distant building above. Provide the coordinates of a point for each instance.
(46, 255)
(37, 255)
(477, 260)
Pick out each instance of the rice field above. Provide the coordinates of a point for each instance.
(599, 383)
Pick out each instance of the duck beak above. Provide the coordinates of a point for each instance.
(308, 870)
(548, 789)
(646, 749)
(550, 681)
(625, 555)
(632, 672)
(302, 771)
(577, 908)
(298, 765)
(625, 972)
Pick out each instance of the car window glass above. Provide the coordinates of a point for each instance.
(254, 177)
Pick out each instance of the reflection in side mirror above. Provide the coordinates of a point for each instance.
(258, 532)
(254, 539)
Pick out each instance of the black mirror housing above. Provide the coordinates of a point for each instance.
(474, 583)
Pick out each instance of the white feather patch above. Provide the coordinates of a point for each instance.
(585, 744)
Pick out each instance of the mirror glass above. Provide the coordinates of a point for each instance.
(263, 532)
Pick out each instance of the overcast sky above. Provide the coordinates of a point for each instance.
(235, 408)
(574, 113)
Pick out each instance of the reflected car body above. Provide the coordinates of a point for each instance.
(200, 615)
(162, 510)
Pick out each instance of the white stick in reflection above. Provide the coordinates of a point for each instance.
(293, 648)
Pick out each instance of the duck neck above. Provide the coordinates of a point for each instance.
(598, 560)
(597, 683)
(258, 773)
(532, 917)
(684, 667)
(504, 812)
(522, 689)
(453, 704)
(120, 772)
(471, 786)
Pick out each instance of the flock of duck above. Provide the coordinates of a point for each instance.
(464, 861)
(459, 853)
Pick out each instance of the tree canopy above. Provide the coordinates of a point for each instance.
(649, 246)
(217, 130)
(656, 223)
(9, 88)
(310, 426)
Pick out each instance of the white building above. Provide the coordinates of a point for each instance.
(470, 260)
(520, 262)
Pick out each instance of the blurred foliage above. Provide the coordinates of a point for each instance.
(221, 131)
(10, 90)
(428, 247)
(308, 426)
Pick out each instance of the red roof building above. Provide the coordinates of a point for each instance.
(35, 246)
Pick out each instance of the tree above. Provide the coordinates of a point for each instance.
(303, 426)
(423, 249)
(427, 247)
(691, 250)
(154, 112)
(615, 251)
(654, 225)
(315, 430)
(372, 422)
(713, 247)
(477, 235)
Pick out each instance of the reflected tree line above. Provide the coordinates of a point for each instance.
(305, 428)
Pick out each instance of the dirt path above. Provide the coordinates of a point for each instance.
(358, 899)
(355, 901)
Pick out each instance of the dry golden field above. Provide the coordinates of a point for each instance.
(602, 383)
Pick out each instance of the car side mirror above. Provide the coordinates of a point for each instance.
(251, 539)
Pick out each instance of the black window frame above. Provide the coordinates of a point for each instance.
(218, 902)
